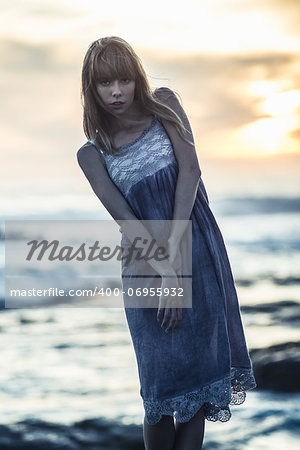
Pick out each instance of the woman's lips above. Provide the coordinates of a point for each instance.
(117, 105)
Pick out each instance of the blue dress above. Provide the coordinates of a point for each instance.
(205, 361)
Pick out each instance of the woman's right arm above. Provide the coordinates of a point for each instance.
(113, 200)
(93, 168)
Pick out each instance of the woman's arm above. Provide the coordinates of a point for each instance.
(90, 161)
(189, 171)
(113, 200)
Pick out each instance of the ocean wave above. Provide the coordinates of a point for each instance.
(256, 205)
(288, 280)
(271, 307)
(268, 244)
(285, 312)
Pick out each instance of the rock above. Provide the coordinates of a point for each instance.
(277, 368)
(91, 434)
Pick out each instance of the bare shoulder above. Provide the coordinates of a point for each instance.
(171, 99)
(87, 150)
(184, 150)
(88, 153)
(165, 94)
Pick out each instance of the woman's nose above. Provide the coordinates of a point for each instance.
(116, 91)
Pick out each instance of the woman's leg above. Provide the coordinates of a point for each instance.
(160, 436)
(189, 435)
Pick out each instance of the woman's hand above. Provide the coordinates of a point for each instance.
(175, 259)
(170, 304)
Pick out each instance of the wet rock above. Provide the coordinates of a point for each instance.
(277, 367)
(92, 434)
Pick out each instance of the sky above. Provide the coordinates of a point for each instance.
(234, 63)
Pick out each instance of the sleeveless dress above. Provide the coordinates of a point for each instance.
(205, 361)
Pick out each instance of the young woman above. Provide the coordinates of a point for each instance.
(141, 163)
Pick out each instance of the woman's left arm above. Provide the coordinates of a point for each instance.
(189, 171)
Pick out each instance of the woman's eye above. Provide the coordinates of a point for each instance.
(125, 80)
(104, 82)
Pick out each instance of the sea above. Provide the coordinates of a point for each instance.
(65, 365)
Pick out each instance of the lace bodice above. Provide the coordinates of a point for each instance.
(144, 156)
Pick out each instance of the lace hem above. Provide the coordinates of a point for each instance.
(216, 398)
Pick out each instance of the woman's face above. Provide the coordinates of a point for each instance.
(117, 95)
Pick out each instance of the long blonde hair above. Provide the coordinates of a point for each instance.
(114, 58)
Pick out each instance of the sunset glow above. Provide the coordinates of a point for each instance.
(235, 64)
(269, 135)
(282, 103)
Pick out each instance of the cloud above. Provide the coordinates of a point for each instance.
(23, 57)
(40, 102)
(287, 12)
(295, 134)
(35, 8)
(216, 86)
